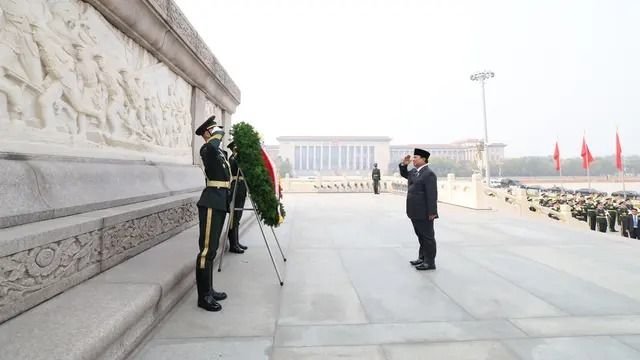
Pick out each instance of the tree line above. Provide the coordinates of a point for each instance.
(522, 166)
(537, 166)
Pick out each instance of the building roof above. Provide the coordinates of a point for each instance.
(454, 145)
(333, 138)
(442, 146)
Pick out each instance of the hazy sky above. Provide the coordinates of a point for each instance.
(401, 68)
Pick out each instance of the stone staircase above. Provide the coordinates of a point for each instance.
(109, 313)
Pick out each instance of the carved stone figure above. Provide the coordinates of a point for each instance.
(15, 31)
(60, 78)
(115, 113)
(87, 75)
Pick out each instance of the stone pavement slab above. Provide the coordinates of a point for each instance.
(392, 291)
(630, 340)
(320, 291)
(507, 287)
(572, 349)
(208, 349)
(577, 326)
(330, 353)
(482, 293)
(566, 292)
(468, 350)
(372, 334)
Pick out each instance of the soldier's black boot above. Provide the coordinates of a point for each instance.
(218, 296)
(243, 247)
(209, 303)
(234, 244)
(205, 298)
(416, 262)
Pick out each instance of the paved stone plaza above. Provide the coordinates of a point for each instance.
(506, 287)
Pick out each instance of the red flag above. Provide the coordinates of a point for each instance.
(618, 153)
(587, 159)
(271, 171)
(556, 157)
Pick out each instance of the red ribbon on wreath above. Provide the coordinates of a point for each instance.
(273, 173)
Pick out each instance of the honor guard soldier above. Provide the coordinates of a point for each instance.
(601, 218)
(212, 211)
(591, 215)
(612, 214)
(375, 176)
(623, 213)
(238, 185)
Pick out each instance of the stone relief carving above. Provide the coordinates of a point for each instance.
(212, 109)
(130, 234)
(69, 77)
(32, 270)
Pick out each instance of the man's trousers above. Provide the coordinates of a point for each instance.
(426, 237)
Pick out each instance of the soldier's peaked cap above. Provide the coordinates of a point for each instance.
(420, 152)
(209, 123)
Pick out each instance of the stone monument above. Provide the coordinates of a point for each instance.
(98, 103)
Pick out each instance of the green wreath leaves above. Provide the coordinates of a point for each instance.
(249, 158)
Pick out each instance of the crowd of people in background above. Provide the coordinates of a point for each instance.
(600, 211)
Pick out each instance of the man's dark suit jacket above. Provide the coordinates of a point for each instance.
(422, 194)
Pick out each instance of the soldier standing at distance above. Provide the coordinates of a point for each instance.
(601, 218)
(375, 176)
(212, 211)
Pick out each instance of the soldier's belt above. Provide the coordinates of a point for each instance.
(218, 184)
(237, 178)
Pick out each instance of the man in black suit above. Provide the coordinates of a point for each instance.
(212, 211)
(634, 224)
(422, 206)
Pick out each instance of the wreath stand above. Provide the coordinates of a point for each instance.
(253, 209)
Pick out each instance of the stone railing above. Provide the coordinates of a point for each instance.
(463, 193)
(468, 194)
(333, 184)
(518, 200)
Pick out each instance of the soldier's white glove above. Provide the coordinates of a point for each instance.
(216, 130)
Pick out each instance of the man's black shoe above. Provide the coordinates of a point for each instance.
(209, 304)
(415, 262)
(425, 266)
(218, 295)
(236, 250)
(243, 247)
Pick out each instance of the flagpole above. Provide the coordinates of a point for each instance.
(624, 190)
(584, 139)
(560, 163)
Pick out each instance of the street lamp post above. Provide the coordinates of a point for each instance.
(483, 76)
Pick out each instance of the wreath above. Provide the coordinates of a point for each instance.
(249, 157)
